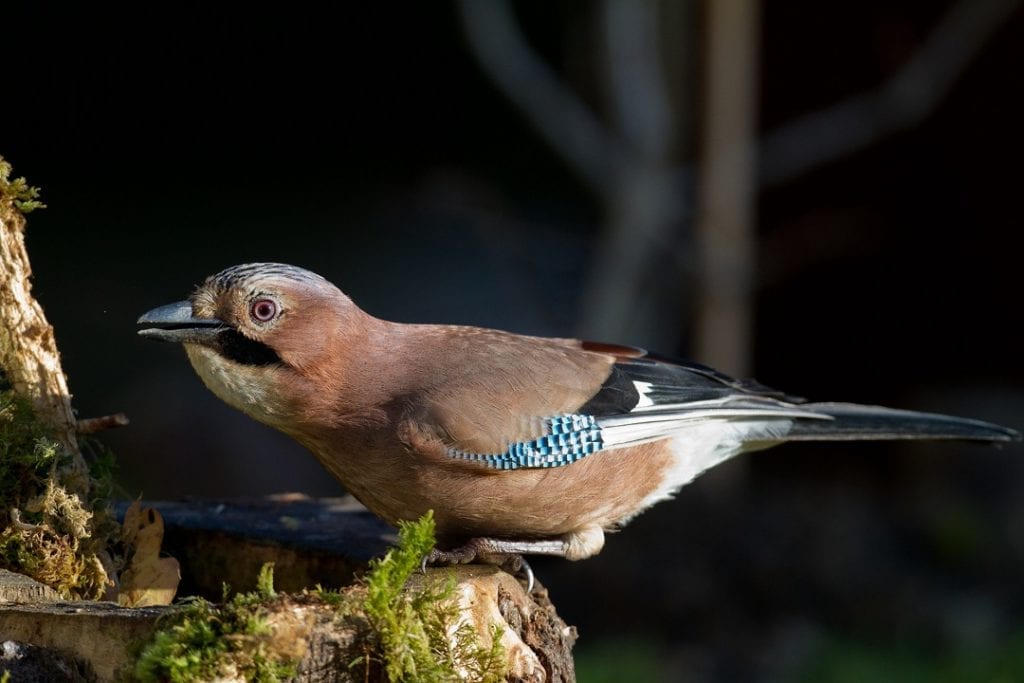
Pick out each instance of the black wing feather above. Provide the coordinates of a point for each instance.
(677, 389)
(672, 381)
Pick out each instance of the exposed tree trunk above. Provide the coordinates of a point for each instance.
(28, 350)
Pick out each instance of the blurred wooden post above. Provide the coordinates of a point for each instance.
(726, 199)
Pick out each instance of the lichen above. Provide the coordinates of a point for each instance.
(46, 532)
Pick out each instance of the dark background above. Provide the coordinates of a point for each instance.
(369, 146)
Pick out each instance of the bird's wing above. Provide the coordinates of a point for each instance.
(647, 397)
(544, 403)
(641, 379)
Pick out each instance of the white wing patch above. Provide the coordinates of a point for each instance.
(663, 421)
(644, 389)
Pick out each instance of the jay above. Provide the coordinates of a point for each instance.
(518, 444)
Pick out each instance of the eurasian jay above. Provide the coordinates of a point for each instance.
(518, 444)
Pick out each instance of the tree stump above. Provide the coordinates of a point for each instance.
(327, 541)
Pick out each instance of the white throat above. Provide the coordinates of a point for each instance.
(248, 388)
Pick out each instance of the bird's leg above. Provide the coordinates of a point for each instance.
(505, 554)
(484, 549)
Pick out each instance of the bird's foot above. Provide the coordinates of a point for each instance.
(513, 564)
(504, 554)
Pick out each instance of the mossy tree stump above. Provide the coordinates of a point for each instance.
(320, 635)
(52, 525)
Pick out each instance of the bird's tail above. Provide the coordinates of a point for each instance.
(852, 422)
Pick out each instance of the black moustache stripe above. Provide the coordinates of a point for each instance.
(239, 348)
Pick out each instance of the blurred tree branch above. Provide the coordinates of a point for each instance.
(904, 100)
(629, 167)
(556, 112)
(634, 291)
(644, 207)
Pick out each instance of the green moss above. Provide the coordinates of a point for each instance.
(203, 641)
(14, 552)
(340, 600)
(28, 460)
(265, 582)
(23, 196)
(420, 634)
(27, 455)
(46, 532)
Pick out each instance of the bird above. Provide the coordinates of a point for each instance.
(517, 444)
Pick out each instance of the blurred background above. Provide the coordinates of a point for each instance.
(826, 197)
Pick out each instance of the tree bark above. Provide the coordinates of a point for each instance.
(28, 349)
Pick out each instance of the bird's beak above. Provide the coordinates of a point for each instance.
(174, 323)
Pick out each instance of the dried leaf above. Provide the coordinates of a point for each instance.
(149, 579)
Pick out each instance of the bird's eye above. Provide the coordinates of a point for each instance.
(263, 310)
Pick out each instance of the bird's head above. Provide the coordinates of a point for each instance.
(260, 334)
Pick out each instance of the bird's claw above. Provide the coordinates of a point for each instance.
(463, 555)
(516, 565)
(513, 564)
(527, 572)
